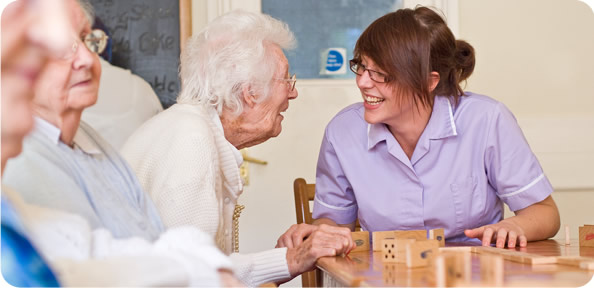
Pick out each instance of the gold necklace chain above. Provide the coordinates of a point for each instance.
(236, 214)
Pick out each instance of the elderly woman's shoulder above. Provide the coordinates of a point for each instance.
(177, 119)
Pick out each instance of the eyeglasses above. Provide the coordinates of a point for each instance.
(96, 42)
(291, 80)
(359, 69)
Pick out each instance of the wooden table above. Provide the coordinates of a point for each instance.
(366, 268)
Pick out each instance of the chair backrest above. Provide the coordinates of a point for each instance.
(304, 193)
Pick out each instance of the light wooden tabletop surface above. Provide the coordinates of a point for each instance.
(365, 268)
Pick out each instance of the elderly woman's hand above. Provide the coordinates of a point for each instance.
(295, 235)
(321, 241)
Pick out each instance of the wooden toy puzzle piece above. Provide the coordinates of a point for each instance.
(577, 261)
(491, 269)
(419, 253)
(411, 234)
(586, 233)
(394, 250)
(452, 269)
(516, 256)
(361, 239)
(438, 234)
(378, 236)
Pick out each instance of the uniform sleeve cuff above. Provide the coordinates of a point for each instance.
(340, 215)
(534, 192)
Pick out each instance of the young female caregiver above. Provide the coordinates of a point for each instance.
(419, 153)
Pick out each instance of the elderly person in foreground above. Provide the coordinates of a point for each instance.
(31, 31)
(235, 85)
(68, 170)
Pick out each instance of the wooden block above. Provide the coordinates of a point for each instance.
(452, 269)
(388, 274)
(516, 256)
(411, 234)
(419, 253)
(577, 261)
(437, 234)
(588, 265)
(361, 239)
(394, 250)
(378, 236)
(438, 271)
(469, 249)
(586, 236)
(491, 270)
(388, 250)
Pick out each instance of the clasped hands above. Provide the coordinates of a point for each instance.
(306, 243)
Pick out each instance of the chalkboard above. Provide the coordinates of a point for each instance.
(146, 39)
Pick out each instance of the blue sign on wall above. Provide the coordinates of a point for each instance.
(321, 26)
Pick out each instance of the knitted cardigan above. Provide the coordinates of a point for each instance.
(191, 172)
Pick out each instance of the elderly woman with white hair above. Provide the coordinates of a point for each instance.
(235, 85)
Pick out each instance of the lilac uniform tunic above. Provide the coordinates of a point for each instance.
(469, 159)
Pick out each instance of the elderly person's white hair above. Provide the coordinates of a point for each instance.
(234, 50)
(88, 10)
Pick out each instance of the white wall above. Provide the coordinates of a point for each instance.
(533, 55)
(537, 57)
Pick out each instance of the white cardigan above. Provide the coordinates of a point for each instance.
(191, 172)
(80, 256)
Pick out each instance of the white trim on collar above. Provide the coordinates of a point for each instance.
(452, 118)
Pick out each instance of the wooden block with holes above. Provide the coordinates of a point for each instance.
(438, 234)
(419, 253)
(361, 239)
(491, 269)
(388, 248)
(394, 250)
(586, 236)
(378, 236)
(389, 274)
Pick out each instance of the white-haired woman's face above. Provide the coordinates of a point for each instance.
(72, 82)
(268, 112)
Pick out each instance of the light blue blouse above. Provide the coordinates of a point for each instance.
(91, 180)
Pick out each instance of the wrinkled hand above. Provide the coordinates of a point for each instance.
(295, 235)
(323, 240)
(502, 232)
(228, 279)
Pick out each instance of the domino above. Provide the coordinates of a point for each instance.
(586, 233)
(419, 253)
(437, 234)
(361, 239)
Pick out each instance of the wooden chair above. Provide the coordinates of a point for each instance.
(304, 193)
